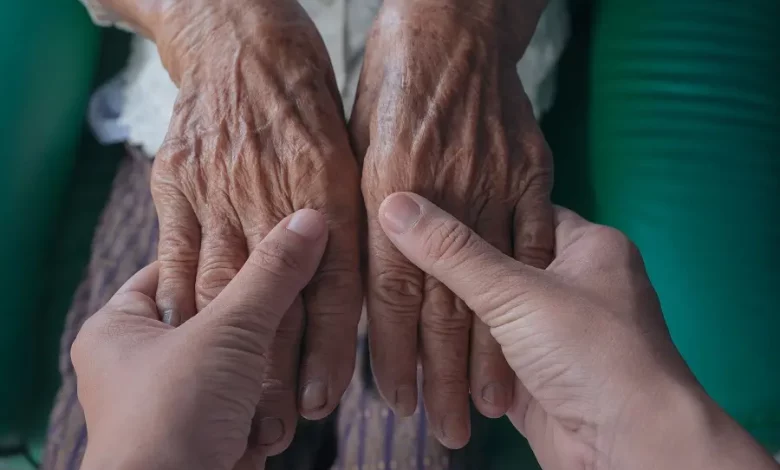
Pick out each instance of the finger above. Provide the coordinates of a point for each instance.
(177, 253)
(568, 227)
(144, 281)
(531, 420)
(394, 297)
(525, 413)
(444, 334)
(534, 240)
(496, 287)
(491, 378)
(223, 251)
(136, 296)
(276, 414)
(563, 215)
(333, 302)
(272, 277)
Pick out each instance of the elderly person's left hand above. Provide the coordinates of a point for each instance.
(441, 111)
(201, 382)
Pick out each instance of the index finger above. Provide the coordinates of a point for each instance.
(568, 227)
(144, 281)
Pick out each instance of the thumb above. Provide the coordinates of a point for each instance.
(497, 288)
(272, 277)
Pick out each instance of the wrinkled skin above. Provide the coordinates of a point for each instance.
(257, 133)
(441, 112)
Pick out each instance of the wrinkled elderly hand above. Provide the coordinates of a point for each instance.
(158, 397)
(440, 111)
(257, 133)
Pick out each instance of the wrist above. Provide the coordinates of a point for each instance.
(131, 456)
(140, 15)
(203, 34)
(509, 24)
(122, 445)
(680, 427)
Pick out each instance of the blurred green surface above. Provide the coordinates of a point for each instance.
(684, 148)
(48, 57)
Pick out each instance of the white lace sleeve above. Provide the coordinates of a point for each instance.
(102, 16)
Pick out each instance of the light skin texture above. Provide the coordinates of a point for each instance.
(441, 111)
(599, 384)
(159, 397)
(257, 132)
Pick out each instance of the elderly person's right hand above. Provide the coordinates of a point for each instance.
(599, 383)
(257, 133)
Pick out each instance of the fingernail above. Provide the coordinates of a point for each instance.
(400, 213)
(405, 401)
(167, 316)
(307, 223)
(455, 428)
(493, 394)
(271, 430)
(314, 396)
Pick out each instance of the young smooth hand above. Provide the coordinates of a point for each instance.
(599, 383)
(159, 397)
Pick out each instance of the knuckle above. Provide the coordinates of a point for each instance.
(334, 288)
(215, 274)
(447, 240)
(288, 334)
(443, 312)
(178, 244)
(536, 149)
(161, 178)
(613, 241)
(84, 340)
(535, 253)
(398, 289)
(175, 276)
(446, 322)
(450, 376)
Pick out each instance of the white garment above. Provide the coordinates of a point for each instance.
(147, 94)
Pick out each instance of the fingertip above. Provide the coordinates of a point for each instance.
(400, 212)
(314, 400)
(455, 430)
(175, 295)
(404, 402)
(308, 223)
(144, 281)
(491, 400)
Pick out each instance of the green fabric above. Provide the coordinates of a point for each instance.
(684, 148)
(87, 192)
(48, 55)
